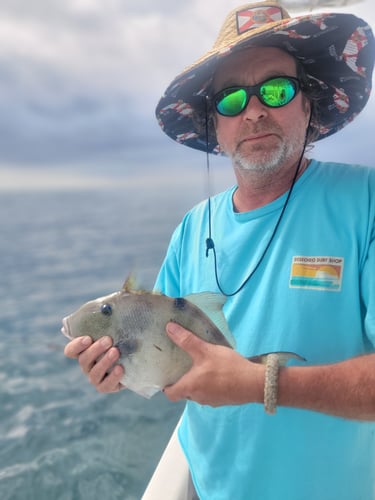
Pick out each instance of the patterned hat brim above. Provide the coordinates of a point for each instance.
(336, 50)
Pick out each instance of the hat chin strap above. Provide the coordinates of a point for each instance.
(210, 245)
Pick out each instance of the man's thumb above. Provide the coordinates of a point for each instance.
(184, 338)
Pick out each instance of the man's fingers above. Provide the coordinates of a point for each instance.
(101, 367)
(90, 356)
(97, 361)
(111, 382)
(74, 348)
(177, 391)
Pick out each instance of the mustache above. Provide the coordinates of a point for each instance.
(249, 130)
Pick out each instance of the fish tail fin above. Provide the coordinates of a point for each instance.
(283, 357)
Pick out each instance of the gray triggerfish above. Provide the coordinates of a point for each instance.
(136, 321)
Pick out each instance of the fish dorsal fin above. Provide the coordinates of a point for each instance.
(131, 285)
(212, 305)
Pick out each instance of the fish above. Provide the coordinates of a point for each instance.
(136, 320)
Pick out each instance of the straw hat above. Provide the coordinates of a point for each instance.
(335, 49)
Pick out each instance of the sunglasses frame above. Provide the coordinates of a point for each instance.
(254, 90)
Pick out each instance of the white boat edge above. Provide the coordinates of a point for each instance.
(171, 478)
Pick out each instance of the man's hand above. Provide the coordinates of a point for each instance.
(97, 361)
(219, 375)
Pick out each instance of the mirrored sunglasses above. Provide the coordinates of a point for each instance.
(274, 93)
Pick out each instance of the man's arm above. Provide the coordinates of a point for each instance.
(220, 376)
(345, 389)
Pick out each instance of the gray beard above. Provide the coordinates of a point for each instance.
(270, 161)
(245, 163)
(267, 161)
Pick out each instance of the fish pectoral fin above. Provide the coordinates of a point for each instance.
(212, 305)
(283, 357)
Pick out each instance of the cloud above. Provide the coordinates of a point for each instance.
(79, 79)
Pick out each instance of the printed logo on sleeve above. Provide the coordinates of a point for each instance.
(317, 273)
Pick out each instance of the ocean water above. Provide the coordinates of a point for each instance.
(59, 438)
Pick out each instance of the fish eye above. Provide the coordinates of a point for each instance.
(106, 309)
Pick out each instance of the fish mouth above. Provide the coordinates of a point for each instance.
(65, 330)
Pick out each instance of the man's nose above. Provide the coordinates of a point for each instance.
(255, 109)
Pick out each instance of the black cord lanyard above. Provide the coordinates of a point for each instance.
(210, 245)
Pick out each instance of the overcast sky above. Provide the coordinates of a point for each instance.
(79, 81)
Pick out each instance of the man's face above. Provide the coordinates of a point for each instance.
(261, 138)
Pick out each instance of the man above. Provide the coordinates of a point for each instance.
(292, 245)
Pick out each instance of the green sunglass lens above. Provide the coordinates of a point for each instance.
(232, 103)
(274, 93)
(277, 92)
